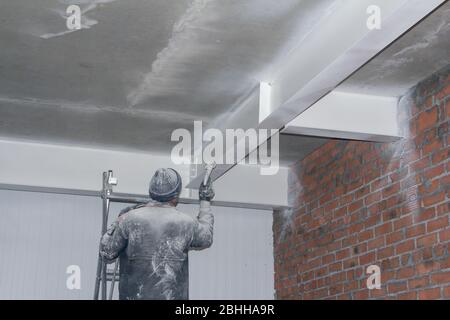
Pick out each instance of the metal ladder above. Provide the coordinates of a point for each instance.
(103, 273)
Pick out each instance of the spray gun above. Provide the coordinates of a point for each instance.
(209, 169)
(206, 192)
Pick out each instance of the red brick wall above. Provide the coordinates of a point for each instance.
(360, 203)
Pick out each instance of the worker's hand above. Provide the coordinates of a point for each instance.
(206, 192)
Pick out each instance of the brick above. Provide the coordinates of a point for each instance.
(444, 181)
(441, 278)
(371, 221)
(408, 296)
(397, 287)
(416, 230)
(375, 243)
(431, 147)
(440, 250)
(433, 199)
(444, 235)
(379, 183)
(365, 235)
(406, 259)
(385, 253)
(424, 215)
(440, 155)
(406, 273)
(418, 283)
(328, 259)
(350, 263)
(394, 237)
(404, 247)
(361, 295)
(427, 241)
(372, 197)
(355, 206)
(362, 192)
(356, 228)
(335, 267)
(427, 267)
(346, 200)
(447, 292)
(434, 172)
(383, 229)
(403, 222)
(340, 212)
(437, 224)
(420, 164)
(399, 175)
(367, 258)
(431, 187)
(430, 294)
(427, 119)
(377, 293)
(443, 209)
(342, 254)
(392, 202)
(391, 190)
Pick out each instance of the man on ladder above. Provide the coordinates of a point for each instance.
(152, 240)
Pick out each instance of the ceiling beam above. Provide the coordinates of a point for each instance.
(349, 116)
(332, 51)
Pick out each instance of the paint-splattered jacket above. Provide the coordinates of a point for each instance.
(153, 242)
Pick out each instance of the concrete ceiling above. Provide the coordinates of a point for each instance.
(419, 53)
(137, 69)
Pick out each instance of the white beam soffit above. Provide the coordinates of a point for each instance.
(336, 48)
(349, 116)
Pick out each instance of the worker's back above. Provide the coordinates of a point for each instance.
(153, 240)
(154, 264)
(153, 243)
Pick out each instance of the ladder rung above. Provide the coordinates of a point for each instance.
(109, 278)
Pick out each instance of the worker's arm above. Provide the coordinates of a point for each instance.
(114, 240)
(203, 230)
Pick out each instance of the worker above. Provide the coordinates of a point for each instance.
(152, 240)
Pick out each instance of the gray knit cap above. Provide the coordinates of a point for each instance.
(165, 185)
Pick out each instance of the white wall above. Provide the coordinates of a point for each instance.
(41, 234)
(239, 265)
(59, 166)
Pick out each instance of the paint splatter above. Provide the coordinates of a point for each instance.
(180, 32)
(167, 263)
(427, 39)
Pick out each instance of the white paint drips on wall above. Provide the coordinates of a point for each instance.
(287, 224)
(288, 215)
(411, 194)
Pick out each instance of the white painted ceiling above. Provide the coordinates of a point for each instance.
(140, 69)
